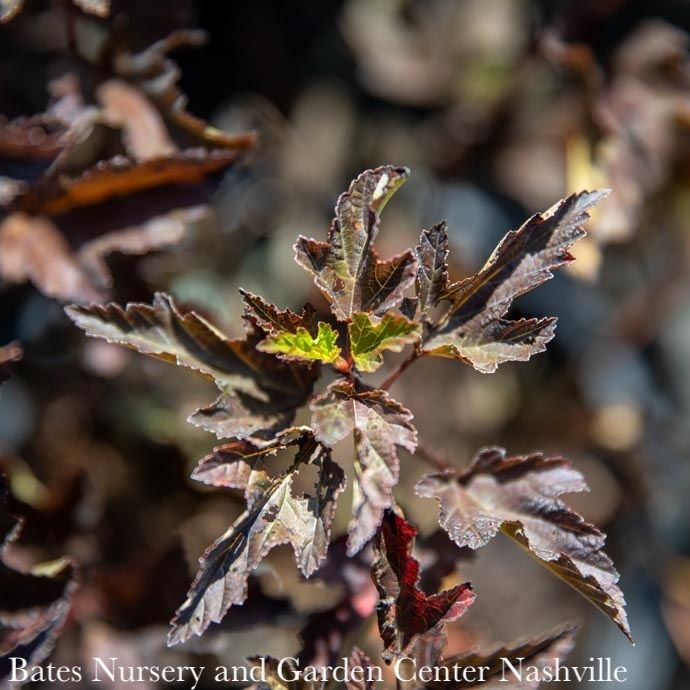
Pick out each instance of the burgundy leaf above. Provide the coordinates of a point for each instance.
(346, 268)
(259, 392)
(380, 424)
(406, 614)
(519, 495)
(274, 516)
(474, 328)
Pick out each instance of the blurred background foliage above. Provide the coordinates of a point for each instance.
(500, 109)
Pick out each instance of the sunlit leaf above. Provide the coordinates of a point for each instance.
(119, 176)
(432, 266)
(519, 496)
(474, 328)
(346, 268)
(100, 8)
(379, 425)
(232, 464)
(303, 345)
(290, 335)
(259, 392)
(143, 128)
(9, 9)
(370, 336)
(274, 516)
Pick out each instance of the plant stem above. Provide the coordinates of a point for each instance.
(432, 457)
(396, 373)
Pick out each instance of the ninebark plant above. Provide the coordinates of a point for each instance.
(377, 305)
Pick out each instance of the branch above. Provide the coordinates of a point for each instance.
(432, 457)
(396, 373)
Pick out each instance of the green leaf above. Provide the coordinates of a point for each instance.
(379, 424)
(474, 329)
(346, 268)
(303, 345)
(370, 336)
(292, 336)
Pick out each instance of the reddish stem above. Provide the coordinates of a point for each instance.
(395, 374)
(433, 458)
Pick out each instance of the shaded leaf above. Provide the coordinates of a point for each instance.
(273, 516)
(157, 75)
(274, 320)
(539, 653)
(158, 233)
(33, 605)
(40, 137)
(259, 392)
(474, 329)
(325, 633)
(432, 266)
(10, 9)
(359, 660)
(370, 336)
(346, 268)
(12, 352)
(519, 495)
(119, 176)
(32, 248)
(380, 424)
(408, 618)
(273, 680)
